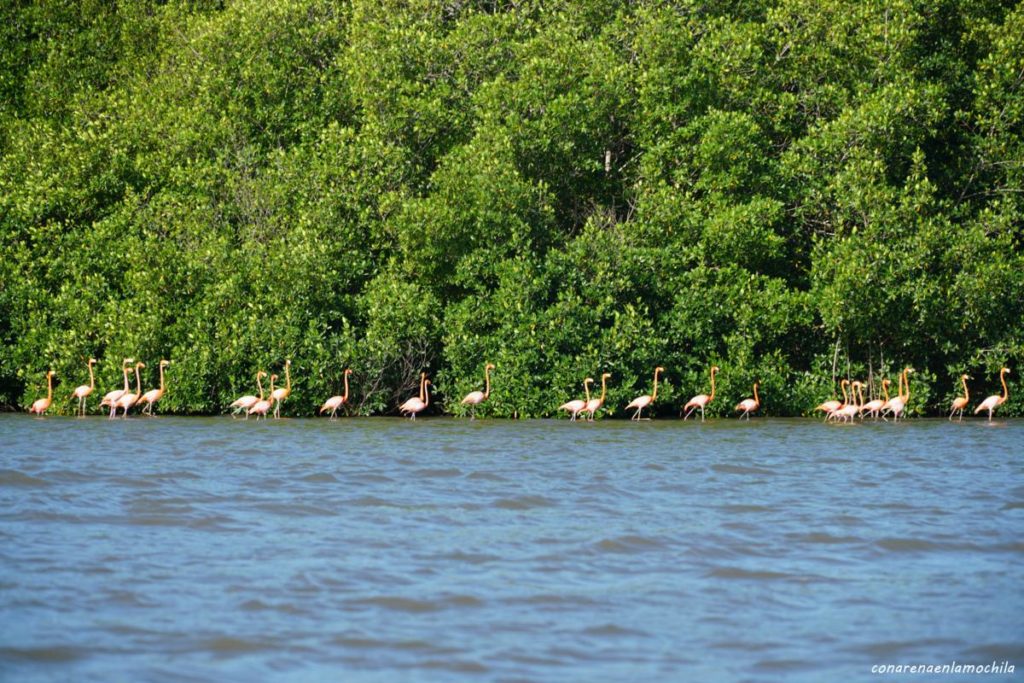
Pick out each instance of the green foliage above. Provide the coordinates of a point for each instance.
(795, 191)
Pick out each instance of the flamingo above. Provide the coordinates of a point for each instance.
(243, 403)
(128, 400)
(154, 395)
(849, 411)
(475, 398)
(873, 407)
(40, 405)
(701, 400)
(281, 393)
(594, 404)
(641, 402)
(111, 397)
(414, 405)
(261, 406)
(960, 402)
(897, 404)
(334, 402)
(994, 401)
(749, 405)
(82, 392)
(828, 406)
(577, 406)
(415, 400)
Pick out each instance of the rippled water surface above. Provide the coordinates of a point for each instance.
(196, 549)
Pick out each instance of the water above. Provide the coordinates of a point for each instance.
(197, 549)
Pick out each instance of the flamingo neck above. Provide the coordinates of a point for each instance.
(271, 387)
(138, 382)
(259, 385)
(885, 391)
(586, 389)
(487, 382)
(842, 386)
(161, 378)
(757, 401)
(125, 379)
(288, 378)
(426, 394)
(1006, 391)
(654, 395)
(712, 396)
(345, 397)
(604, 387)
(963, 380)
(49, 387)
(906, 386)
(92, 378)
(423, 384)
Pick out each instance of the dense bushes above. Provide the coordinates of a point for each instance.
(795, 191)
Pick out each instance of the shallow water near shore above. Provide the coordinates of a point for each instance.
(196, 549)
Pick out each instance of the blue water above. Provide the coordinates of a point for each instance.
(200, 549)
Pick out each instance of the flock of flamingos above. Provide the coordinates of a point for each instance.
(851, 407)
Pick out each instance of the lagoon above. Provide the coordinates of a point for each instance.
(379, 549)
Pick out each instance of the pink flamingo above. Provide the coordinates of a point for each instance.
(995, 400)
(154, 395)
(130, 399)
(594, 404)
(261, 406)
(40, 405)
(578, 405)
(334, 402)
(849, 411)
(110, 398)
(872, 408)
(414, 405)
(829, 406)
(82, 392)
(641, 402)
(897, 404)
(282, 393)
(960, 402)
(475, 398)
(243, 403)
(701, 400)
(749, 405)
